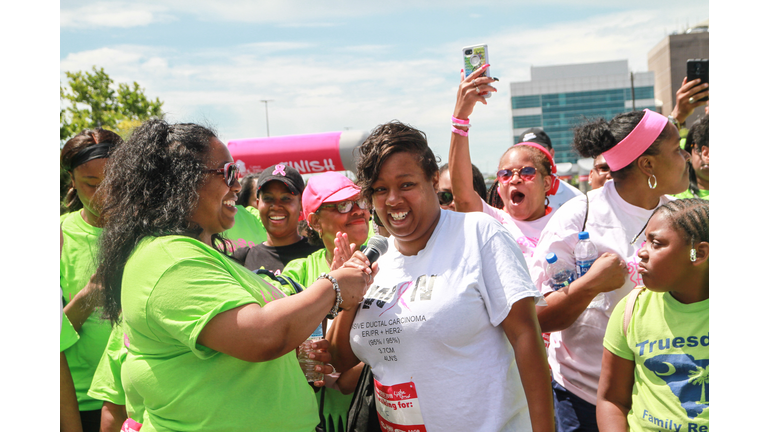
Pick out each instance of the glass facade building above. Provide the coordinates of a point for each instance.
(560, 97)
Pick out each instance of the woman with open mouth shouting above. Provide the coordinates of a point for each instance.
(448, 326)
(525, 173)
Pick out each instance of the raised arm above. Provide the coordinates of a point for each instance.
(459, 163)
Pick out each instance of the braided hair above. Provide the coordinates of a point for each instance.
(690, 216)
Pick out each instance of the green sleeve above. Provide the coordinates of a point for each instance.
(107, 384)
(297, 271)
(207, 289)
(614, 340)
(68, 334)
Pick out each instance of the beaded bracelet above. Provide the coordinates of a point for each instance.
(335, 310)
(459, 131)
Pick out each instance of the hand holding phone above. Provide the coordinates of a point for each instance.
(698, 69)
(475, 57)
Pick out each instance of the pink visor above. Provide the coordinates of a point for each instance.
(637, 142)
(328, 187)
(555, 181)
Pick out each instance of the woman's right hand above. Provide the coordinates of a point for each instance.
(470, 92)
(608, 273)
(354, 278)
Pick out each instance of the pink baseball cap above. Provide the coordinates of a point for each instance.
(328, 187)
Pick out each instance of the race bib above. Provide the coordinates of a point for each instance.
(398, 408)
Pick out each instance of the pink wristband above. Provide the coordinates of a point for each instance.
(460, 121)
(459, 131)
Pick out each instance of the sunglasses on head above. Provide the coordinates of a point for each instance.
(444, 197)
(230, 171)
(526, 173)
(345, 206)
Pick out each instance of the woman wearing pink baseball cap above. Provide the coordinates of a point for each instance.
(332, 206)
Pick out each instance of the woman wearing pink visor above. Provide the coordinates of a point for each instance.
(331, 205)
(642, 149)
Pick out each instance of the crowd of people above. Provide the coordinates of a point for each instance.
(187, 288)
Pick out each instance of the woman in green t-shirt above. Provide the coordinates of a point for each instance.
(209, 346)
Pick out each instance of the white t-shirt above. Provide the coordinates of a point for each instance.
(564, 193)
(575, 354)
(525, 233)
(433, 319)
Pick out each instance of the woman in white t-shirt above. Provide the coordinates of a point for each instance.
(448, 326)
(646, 162)
(525, 178)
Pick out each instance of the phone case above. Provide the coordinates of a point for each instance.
(698, 68)
(476, 56)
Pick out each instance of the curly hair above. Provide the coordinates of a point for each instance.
(386, 140)
(75, 145)
(151, 190)
(595, 137)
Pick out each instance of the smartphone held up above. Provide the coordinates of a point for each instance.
(475, 57)
(698, 69)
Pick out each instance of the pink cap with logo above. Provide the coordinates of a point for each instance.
(328, 187)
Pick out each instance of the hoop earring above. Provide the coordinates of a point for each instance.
(693, 255)
(546, 202)
(655, 183)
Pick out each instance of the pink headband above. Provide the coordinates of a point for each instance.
(556, 182)
(637, 142)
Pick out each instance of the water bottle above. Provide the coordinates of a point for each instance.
(585, 254)
(559, 273)
(307, 364)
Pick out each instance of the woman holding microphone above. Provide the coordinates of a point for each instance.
(210, 347)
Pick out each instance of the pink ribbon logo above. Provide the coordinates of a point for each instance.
(279, 169)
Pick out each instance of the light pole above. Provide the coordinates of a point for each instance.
(266, 110)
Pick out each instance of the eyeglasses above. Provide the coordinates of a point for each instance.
(601, 169)
(445, 198)
(230, 171)
(526, 173)
(345, 206)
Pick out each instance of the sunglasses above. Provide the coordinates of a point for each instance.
(345, 206)
(526, 173)
(445, 198)
(230, 171)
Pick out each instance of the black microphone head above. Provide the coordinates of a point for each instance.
(377, 246)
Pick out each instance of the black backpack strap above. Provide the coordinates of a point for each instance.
(281, 280)
(586, 215)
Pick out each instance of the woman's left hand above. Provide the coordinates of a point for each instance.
(320, 353)
(470, 92)
(343, 250)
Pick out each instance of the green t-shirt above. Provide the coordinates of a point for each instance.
(248, 230)
(107, 385)
(77, 265)
(305, 271)
(172, 287)
(703, 194)
(669, 343)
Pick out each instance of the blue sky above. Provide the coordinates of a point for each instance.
(328, 66)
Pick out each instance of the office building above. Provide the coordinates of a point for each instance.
(559, 97)
(668, 61)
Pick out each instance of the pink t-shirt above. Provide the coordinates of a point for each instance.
(525, 233)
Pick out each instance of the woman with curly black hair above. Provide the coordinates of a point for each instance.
(84, 158)
(209, 347)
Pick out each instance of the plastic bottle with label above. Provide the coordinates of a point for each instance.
(307, 364)
(585, 254)
(560, 275)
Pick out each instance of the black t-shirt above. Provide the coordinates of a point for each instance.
(273, 258)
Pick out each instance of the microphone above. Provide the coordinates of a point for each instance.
(377, 246)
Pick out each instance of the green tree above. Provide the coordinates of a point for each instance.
(91, 100)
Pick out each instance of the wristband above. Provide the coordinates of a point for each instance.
(335, 310)
(461, 125)
(460, 121)
(459, 131)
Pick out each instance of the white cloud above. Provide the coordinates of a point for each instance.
(113, 14)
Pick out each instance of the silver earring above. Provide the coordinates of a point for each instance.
(655, 183)
(693, 255)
